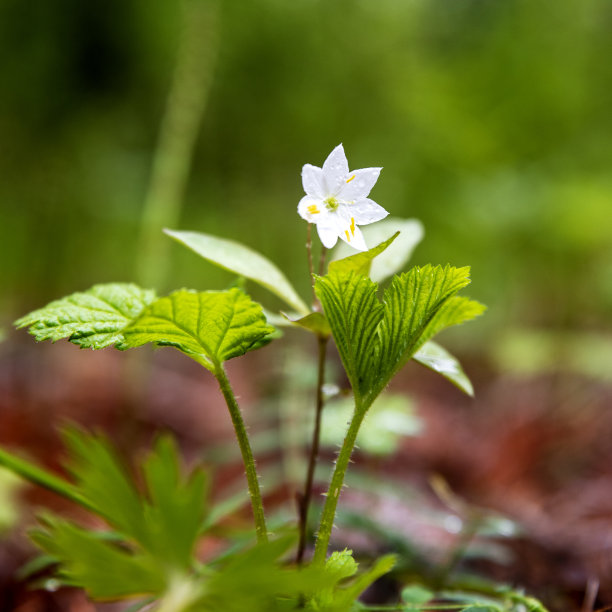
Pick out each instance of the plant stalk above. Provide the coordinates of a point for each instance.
(305, 499)
(247, 454)
(336, 484)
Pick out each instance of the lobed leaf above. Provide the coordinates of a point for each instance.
(244, 261)
(211, 326)
(375, 340)
(90, 319)
(101, 567)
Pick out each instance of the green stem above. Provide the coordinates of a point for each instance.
(179, 129)
(314, 453)
(335, 486)
(247, 454)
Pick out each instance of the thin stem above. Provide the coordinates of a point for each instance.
(314, 453)
(310, 264)
(335, 486)
(247, 454)
(322, 260)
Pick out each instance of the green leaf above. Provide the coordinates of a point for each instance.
(91, 319)
(360, 263)
(101, 567)
(211, 327)
(341, 564)
(438, 359)
(104, 483)
(397, 255)
(177, 509)
(314, 322)
(416, 594)
(375, 340)
(242, 260)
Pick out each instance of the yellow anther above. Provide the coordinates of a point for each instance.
(313, 210)
(348, 180)
(353, 225)
(348, 238)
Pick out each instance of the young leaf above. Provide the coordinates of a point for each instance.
(438, 359)
(211, 326)
(416, 594)
(314, 322)
(375, 340)
(397, 255)
(91, 319)
(360, 263)
(242, 260)
(104, 569)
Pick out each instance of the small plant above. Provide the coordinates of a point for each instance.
(147, 554)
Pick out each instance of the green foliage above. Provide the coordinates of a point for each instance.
(340, 567)
(91, 319)
(376, 339)
(397, 254)
(438, 359)
(416, 594)
(242, 260)
(211, 326)
(154, 532)
(360, 263)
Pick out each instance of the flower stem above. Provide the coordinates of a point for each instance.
(247, 454)
(335, 486)
(304, 503)
(310, 264)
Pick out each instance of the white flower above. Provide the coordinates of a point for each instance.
(337, 200)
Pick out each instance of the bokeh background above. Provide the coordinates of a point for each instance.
(492, 120)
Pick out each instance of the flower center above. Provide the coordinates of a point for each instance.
(331, 203)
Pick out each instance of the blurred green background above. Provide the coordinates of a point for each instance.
(492, 119)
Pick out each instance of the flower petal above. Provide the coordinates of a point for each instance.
(335, 168)
(312, 181)
(328, 235)
(353, 237)
(313, 210)
(366, 211)
(359, 183)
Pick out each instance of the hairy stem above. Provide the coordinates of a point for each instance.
(247, 454)
(335, 486)
(314, 452)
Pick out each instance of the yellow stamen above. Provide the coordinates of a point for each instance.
(313, 210)
(348, 238)
(348, 180)
(353, 225)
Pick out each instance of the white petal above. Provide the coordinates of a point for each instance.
(328, 235)
(312, 180)
(313, 210)
(335, 168)
(353, 237)
(359, 183)
(366, 211)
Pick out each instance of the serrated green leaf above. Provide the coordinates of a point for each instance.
(91, 319)
(104, 569)
(244, 261)
(381, 567)
(416, 594)
(177, 509)
(360, 263)
(211, 326)
(438, 359)
(104, 483)
(341, 564)
(314, 322)
(375, 340)
(397, 255)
